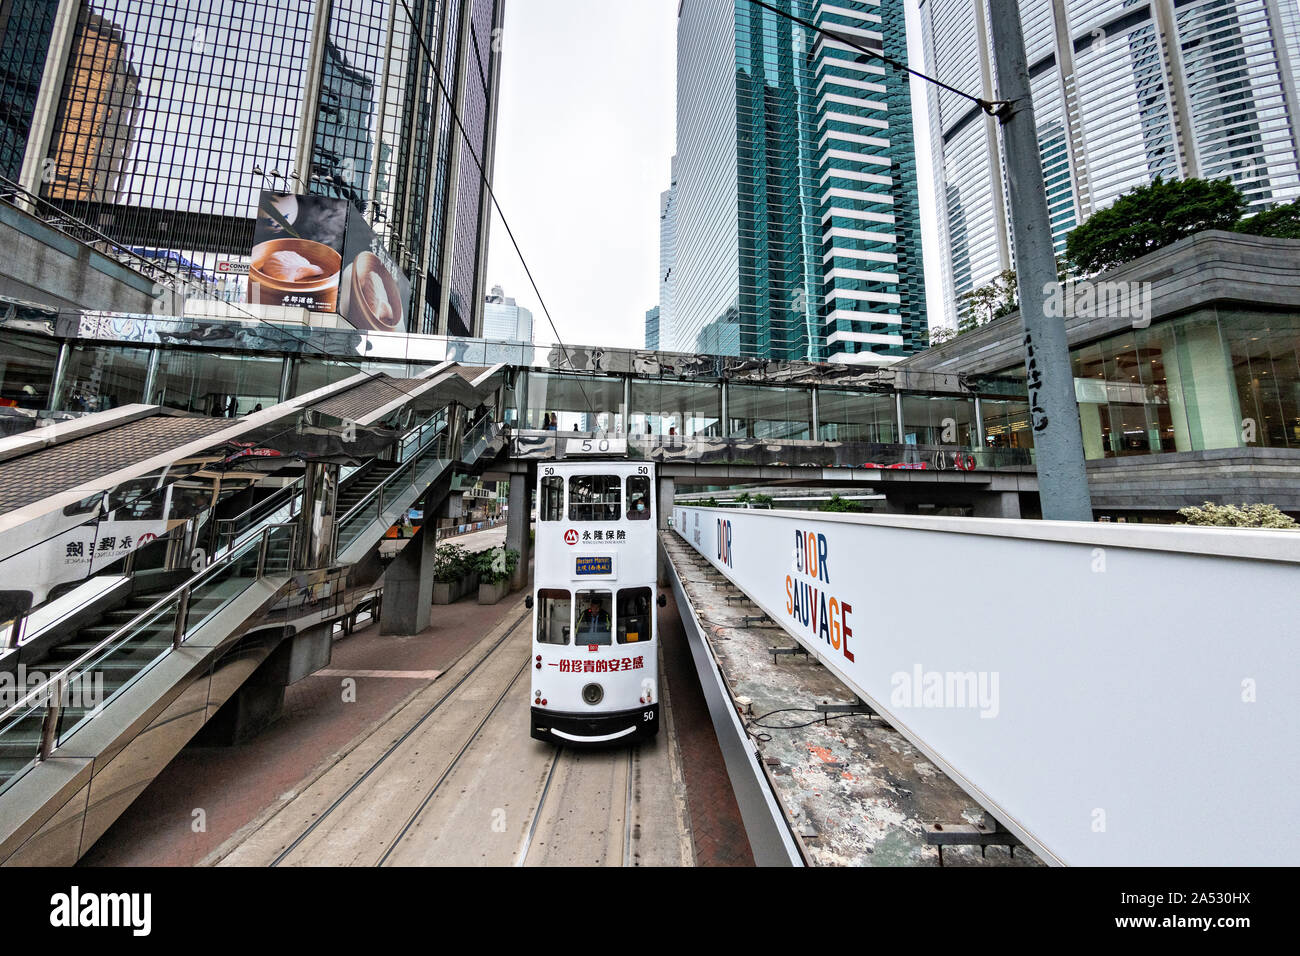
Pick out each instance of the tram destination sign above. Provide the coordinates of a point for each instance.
(602, 564)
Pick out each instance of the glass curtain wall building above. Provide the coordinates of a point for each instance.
(1124, 91)
(797, 228)
(167, 118)
(667, 262)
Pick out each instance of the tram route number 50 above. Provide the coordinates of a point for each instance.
(595, 446)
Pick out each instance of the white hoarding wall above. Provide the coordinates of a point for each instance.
(1114, 694)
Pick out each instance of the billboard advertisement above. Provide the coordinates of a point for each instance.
(319, 253)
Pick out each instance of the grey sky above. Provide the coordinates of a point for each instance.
(586, 132)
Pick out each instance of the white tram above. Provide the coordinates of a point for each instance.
(595, 647)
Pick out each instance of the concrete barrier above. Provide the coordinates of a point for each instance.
(1113, 694)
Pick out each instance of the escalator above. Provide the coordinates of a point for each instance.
(169, 657)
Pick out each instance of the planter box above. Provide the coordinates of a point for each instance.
(455, 590)
(492, 593)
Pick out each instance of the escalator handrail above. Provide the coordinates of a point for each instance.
(63, 674)
(423, 443)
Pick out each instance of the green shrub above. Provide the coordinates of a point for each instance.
(451, 562)
(496, 564)
(839, 504)
(1231, 516)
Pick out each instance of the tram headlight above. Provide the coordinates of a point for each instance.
(593, 694)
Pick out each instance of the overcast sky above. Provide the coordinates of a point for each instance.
(585, 135)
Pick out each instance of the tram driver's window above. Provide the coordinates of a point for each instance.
(638, 498)
(595, 621)
(594, 497)
(552, 504)
(634, 615)
(554, 613)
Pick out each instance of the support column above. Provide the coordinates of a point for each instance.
(151, 376)
(408, 584)
(517, 527)
(997, 504)
(667, 490)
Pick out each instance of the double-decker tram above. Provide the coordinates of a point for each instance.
(595, 646)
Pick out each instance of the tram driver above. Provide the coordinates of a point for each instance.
(595, 625)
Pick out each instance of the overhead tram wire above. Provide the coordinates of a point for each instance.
(487, 184)
(997, 108)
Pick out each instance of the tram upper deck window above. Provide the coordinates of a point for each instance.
(634, 615)
(594, 497)
(552, 504)
(595, 623)
(638, 498)
(554, 611)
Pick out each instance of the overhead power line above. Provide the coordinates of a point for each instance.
(992, 107)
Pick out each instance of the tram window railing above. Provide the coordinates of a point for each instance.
(595, 497)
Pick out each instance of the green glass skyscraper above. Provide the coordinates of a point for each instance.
(798, 233)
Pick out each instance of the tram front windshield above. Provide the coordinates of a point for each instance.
(595, 617)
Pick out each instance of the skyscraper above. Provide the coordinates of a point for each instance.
(161, 121)
(1124, 91)
(652, 328)
(505, 320)
(797, 228)
(667, 260)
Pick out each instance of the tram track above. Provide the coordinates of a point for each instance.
(453, 778)
(557, 835)
(445, 699)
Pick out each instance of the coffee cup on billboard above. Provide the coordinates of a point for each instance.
(371, 299)
(296, 272)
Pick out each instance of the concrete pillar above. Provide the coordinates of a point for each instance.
(517, 527)
(408, 584)
(667, 491)
(997, 504)
(1090, 425)
(151, 376)
(1208, 391)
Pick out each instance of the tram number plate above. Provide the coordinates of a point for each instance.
(596, 565)
(595, 446)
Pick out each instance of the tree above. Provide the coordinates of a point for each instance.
(940, 334)
(1230, 516)
(1152, 217)
(1280, 222)
(1000, 297)
(838, 504)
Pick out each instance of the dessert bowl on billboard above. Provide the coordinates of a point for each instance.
(295, 272)
(371, 299)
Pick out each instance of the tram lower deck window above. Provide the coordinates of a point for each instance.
(554, 614)
(595, 622)
(634, 624)
(594, 497)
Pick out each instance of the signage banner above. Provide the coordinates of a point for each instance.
(319, 253)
